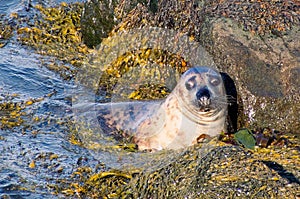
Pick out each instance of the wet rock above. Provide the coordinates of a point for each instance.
(259, 17)
(96, 21)
(264, 68)
(207, 170)
(214, 173)
(255, 43)
(100, 16)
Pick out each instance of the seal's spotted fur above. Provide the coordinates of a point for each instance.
(196, 106)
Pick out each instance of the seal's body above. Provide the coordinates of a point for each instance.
(197, 106)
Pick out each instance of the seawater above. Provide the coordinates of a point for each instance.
(23, 75)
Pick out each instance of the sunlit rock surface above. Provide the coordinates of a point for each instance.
(256, 47)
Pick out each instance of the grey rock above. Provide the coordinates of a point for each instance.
(100, 16)
(265, 70)
(264, 67)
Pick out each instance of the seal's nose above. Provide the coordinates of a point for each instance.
(203, 92)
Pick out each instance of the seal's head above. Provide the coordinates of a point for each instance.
(201, 92)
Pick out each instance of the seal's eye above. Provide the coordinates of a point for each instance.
(191, 83)
(215, 81)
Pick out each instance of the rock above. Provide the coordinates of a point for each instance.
(261, 70)
(261, 56)
(97, 20)
(100, 16)
(214, 173)
(265, 70)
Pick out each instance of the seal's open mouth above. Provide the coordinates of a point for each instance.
(204, 104)
(203, 99)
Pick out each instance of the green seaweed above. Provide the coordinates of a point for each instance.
(245, 138)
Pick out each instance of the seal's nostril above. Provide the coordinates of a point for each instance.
(203, 92)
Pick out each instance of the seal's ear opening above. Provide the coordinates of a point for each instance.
(231, 94)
